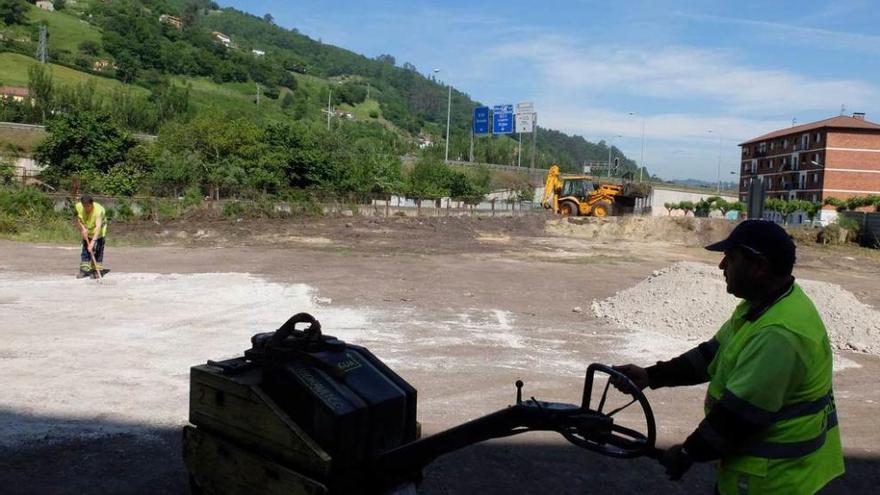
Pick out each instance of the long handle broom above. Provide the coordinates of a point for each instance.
(98, 275)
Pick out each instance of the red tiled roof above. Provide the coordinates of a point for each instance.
(14, 91)
(841, 122)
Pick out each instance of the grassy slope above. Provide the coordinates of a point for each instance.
(15, 73)
(65, 31)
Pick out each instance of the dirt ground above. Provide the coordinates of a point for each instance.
(93, 400)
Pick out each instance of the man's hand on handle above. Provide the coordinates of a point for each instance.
(677, 461)
(636, 374)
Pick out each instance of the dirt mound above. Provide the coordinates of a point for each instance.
(678, 230)
(689, 301)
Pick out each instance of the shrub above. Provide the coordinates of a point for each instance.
(374, 114)
(234, 209)
(8, 224)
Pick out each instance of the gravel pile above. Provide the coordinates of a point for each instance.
(689, 301)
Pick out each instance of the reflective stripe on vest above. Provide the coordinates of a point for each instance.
(780, 450)
(774, 450)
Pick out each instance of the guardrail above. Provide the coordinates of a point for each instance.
(37, 127)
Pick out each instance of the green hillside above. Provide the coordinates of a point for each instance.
(295, 74)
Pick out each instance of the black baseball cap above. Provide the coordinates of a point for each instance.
(760, 237)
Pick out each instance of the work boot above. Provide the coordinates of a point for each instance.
(83, 274)
(104, 271)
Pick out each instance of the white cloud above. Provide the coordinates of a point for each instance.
(682, 73)
(800, 35)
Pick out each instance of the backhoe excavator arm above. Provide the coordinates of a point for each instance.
(552, 186)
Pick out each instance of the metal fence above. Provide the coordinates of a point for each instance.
(869, 227)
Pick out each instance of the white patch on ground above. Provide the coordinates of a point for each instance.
(687, 302)
(77, 356)
(83, 360)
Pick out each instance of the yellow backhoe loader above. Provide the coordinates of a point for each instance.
(580, 195)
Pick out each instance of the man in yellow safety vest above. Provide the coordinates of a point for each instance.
(770, 419)
(91, 220)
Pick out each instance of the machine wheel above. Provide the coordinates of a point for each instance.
(602, 209)
(568, 209)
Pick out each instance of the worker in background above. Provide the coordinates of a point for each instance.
(771, 423)
(91, 219)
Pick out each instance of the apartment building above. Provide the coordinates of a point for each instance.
(837, 157)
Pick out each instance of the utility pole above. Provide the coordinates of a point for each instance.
(534, 139)
(258, 94)
(329, 99)
(519, 151)
(43, 47)
(448, 115)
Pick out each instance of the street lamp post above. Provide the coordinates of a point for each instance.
(642, 157)
(718, 172)
(448, 115)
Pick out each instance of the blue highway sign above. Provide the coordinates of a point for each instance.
(481, 120)
(502, 119)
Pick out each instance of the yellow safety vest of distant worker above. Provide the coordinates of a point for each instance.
(91, 221)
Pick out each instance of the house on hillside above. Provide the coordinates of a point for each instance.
(177, 22)
(102, 64)
(46, 5)
(15, 93)
(258, 53)
(832, 158)
(222, 38)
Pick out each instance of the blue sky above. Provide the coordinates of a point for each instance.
(738, 69)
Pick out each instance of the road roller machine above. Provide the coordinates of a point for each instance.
(301, 412)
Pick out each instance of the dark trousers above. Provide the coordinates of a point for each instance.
(85, 260)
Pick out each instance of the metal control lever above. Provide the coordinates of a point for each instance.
(519, 386)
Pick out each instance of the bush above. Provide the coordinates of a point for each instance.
(123, 211)
(234, 209)
(192, 197)
(26, 202)
(8, 224)
(7, 173)
(374, 114)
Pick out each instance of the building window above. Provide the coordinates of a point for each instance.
(805, 141)
(772, 145)
(815, 198)
(816, 178)
(818, 137)
(770, 163)
(785, 143)
(816, 159)
(794, 163)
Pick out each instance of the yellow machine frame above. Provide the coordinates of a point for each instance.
(597, 203)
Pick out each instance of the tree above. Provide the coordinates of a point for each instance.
(838, 204)
(687, 206)
(59, 4)
(428, 179)
(13, 11)
(90, 47)
(81, 143)
(41, 88)
(268, 18)
(669, 207)
(812, 209)
(386, 59)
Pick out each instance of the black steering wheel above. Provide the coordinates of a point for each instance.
(616, 440)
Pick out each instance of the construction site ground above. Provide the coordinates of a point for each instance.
(95, 376)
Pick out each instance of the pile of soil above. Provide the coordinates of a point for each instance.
(678, 230)
(689, 301)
